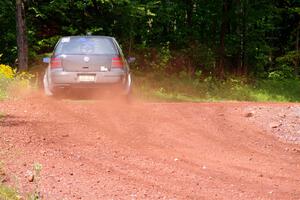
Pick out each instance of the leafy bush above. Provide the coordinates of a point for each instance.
(7, 75)
(164, 57)
(46, 44)
(286, 66)
(8, 193)
(11, 80)
(6, 71)
(183, 87)
(283, 73)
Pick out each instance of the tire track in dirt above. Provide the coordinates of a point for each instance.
(108, 150)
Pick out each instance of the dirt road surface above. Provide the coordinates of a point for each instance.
(110, 150)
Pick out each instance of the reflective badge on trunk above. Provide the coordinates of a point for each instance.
(103, 69)
(86, 59)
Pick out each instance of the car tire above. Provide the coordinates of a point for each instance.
(128, 93)
(47, 90)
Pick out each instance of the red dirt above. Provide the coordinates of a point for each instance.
(109, 150)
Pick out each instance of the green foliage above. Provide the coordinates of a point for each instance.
(6, 77)
(163, 59)
(37, 167)
(10, 79)
(2, 115)
(291, 58)
(163, 87)
(35, 195)
(199, 56)
(261, 38)
(8, 193)
(283, 72)
(287, 90)
(6, 71)
(8, 43)
(286, 66)
(46, 44)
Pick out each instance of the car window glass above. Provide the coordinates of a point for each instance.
(84, 45)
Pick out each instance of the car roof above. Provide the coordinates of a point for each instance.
(88, 36)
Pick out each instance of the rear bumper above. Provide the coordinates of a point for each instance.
(62, 77)
(116, 79)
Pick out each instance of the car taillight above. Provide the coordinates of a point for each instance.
(117, 62)
(55, 63)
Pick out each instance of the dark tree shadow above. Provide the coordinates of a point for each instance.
(12, 120)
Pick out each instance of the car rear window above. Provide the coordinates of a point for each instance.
(85, 45)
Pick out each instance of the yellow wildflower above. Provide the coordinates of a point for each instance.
(7, 71)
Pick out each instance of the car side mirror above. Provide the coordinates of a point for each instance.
(46, 60)
(131, 59)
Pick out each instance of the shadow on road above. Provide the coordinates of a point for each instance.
(11, 120)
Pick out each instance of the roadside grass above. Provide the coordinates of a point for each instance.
(2, 94)
(11, 193)
(2, 115)
(8, 193)
(163, 87)
(13, 83)
(4, 82)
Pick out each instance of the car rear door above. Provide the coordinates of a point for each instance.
(86, 54)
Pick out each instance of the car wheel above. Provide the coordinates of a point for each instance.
(47, 90)
(128, 92)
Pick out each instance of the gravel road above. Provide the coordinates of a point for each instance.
(101, 149)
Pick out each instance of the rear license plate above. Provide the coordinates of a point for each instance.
(103, 69)
(86, 78)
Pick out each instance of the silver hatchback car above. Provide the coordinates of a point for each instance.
(87, 62)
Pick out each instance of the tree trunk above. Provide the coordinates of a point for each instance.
(21, 36)
(189, 6)
(221, 53)
(242, 68)
(238, 57)
(243, 40)
(296, 67)
(96, 6)
(189, 13)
